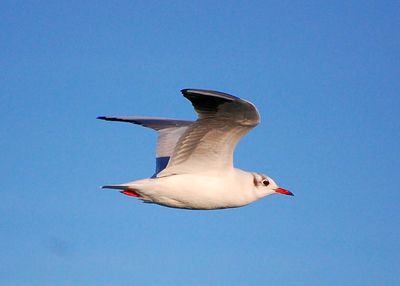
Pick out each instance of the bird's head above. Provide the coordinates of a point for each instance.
(265, 186)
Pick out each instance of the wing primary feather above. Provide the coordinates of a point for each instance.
(156, 123)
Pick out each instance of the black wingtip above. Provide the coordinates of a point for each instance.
(206, 92)
(206, 101)
(108, 118)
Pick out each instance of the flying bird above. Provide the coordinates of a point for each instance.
(194, 159)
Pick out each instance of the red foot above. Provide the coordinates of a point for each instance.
(130, 193)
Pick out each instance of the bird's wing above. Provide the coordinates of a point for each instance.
(207, 145)
(169, 131)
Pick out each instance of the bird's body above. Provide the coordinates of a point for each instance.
(233, 188)
(195, 159)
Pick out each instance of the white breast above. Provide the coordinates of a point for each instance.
(197, 191)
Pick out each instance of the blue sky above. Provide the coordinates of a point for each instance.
(324, 76)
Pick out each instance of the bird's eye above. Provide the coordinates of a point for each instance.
(265, 182)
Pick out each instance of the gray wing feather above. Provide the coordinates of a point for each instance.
(156, 123)
(208, 143)
(169, 130)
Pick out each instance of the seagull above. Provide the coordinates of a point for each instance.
(194, 159)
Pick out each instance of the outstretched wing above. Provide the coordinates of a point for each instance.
(207, 145)
(169, 131)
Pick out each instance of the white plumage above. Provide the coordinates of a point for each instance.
(195, 158)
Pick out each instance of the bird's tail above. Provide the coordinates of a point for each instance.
(128, 190)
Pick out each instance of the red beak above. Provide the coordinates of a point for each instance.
(284, 192)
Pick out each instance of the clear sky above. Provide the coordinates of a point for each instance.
(325, 78)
